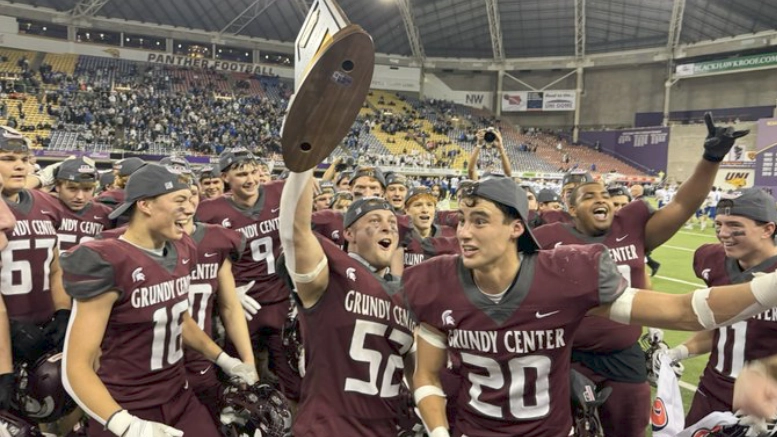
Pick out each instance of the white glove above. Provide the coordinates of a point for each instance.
(250, 305)
(678, 353)
(677, 366)
(124, 424)
(655, 335)
(238, 369)
(46, 176)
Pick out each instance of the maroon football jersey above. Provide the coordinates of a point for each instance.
(515, 354)
(626, 241)
(112, 198)
(329, 224)
(555, 216)
(141, 363)
(447, 217)
(81, 226)
(259, 225)
(442, 242)
(742, 342)
(26, 261)
(355, 339)
(214, 245)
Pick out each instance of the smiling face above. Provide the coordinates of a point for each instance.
(744, 239)
(212, 187)
(486, 235)
(243, 181)
(374, 237)
(591, 208)
(165, 216)
(395, 194)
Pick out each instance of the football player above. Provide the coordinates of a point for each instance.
(323, 198)
(122, 169)
(426, 239)
(252, 210)
(211, 184)
(82, 219)
(367, 182)
(619, 196)
(357, 334)
(30, 273)
(396, 191)
(548, 200)
(212, 284)
(604, 351)
(745, 226)
(107, 180)
(510, 313)
(7, 222)
(341, 201)
(131, 313)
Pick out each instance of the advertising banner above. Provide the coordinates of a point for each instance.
(563, 100)
(766, 157)
(735, 178)
(551, 100)
(767, 60)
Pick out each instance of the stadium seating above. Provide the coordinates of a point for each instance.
(427, 133)
(14, 56)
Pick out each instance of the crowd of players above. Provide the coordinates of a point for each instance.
(175, 302)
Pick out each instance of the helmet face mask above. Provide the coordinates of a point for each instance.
(16, 426)
(255, 410)
(41, 397)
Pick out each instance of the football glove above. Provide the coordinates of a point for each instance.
(124, 424)
(719, 139)
(653, 352)
(250, 305)
(56, 329)
(245, 372)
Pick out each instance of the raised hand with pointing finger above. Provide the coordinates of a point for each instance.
(719, 139)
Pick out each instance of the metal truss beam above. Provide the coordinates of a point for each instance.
(495, 27)
(408, 18)
(243, 19)
(579, 29)
(302, 7)
(87, 8)
(675, 26)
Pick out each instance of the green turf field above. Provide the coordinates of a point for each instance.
(676, 276)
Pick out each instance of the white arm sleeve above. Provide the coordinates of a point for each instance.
(292, 190)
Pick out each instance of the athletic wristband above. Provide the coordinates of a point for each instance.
(440, 431)
(306, 278)
(119, 422)
(701, 307)
(620, 309)
(432, 337)
(764, 289)
(679, 353)
(427, 390)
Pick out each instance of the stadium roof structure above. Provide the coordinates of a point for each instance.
(489, 30)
